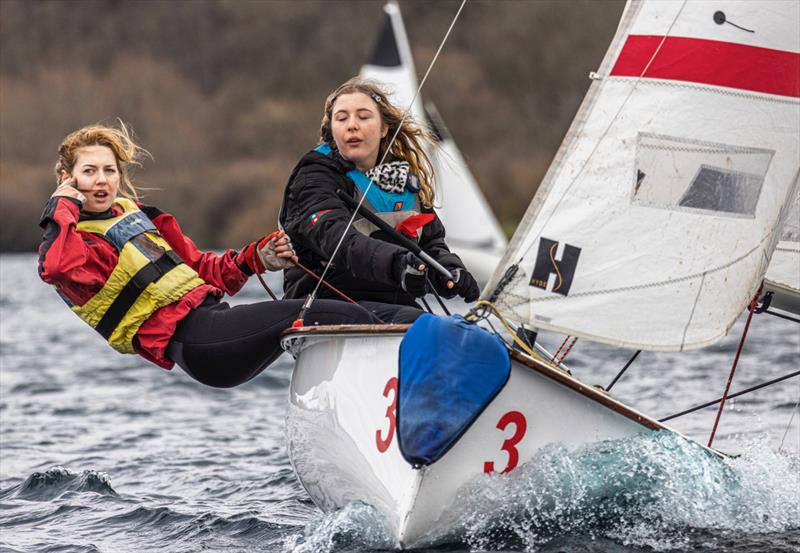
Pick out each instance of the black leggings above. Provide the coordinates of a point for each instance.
(224, 346)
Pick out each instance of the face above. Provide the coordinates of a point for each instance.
(97, 176)
(357, 129)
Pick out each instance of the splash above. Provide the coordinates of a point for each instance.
(42, 486)
(355, 527)
(659, 491)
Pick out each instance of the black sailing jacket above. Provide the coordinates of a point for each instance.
(315, 218)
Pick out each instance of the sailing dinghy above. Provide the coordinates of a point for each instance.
(473, 232)
(652, 230)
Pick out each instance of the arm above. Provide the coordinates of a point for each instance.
(65, 256)
(226, 271)
(318, 218)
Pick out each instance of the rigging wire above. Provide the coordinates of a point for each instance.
(313, 294)
(788, 426)
(737, 394)
(625, 368)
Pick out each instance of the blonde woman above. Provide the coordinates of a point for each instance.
(358, 124)
(129, 271)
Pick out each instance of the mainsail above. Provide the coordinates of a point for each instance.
(656, 221)
(472, 230)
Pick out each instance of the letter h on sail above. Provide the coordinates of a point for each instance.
(563, 268)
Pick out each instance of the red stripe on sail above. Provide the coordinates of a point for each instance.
(711, 62)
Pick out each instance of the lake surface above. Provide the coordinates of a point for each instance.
(105, 452)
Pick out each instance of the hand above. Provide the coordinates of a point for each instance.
(271, 253)
(463, 284)
(443, 285)
(276, 253)
(67, 188)
(410, 273)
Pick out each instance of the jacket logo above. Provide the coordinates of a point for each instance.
(315, 217)
(547, 264)
(398, 206)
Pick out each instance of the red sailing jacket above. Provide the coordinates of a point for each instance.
(78, 264)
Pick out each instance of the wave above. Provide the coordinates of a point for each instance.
(42, 486)
(659, 492)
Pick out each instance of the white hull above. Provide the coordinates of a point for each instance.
(340, 409)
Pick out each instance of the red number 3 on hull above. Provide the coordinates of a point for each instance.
(380, 441)
(509, 446)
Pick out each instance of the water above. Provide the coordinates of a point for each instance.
(104, 452)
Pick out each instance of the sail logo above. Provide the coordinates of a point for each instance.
(548, 263)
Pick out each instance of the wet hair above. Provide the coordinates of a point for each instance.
(410, 142)
(121, 142)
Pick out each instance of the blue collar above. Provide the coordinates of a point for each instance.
(380, 200)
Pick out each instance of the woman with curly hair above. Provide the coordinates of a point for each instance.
(367, 149)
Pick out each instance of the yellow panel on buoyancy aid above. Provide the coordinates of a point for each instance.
(148, 276)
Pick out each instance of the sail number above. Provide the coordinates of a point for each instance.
(509, 446)
(380, 441)
(515, 418)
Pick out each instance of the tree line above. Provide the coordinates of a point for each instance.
(227, 95)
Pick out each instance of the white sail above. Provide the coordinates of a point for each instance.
(783, 274)
(656, 221)
(392, 64)
(472, 229)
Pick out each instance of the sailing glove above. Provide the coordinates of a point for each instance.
(264, 254)
(410, 273)
(464, 285)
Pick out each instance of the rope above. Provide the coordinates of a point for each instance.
(307, 304)
(264, 284)
(260, 278)
(483, 308)
(438, 298)
(425, 303)
(559, 349)
(753, 305)
(313, 294)
(561, 360)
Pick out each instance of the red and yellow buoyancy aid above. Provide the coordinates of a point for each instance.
(148, 276)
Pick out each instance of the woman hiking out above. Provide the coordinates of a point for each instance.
(357, 127)
(128, 271)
